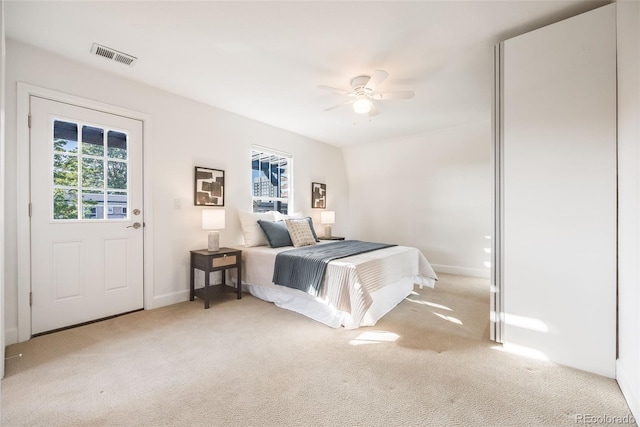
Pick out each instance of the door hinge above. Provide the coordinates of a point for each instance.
(29, 121)
(29, 210)
(30, 299)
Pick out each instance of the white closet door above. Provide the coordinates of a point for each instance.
(559, 191)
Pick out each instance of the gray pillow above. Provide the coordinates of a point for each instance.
(277, 233)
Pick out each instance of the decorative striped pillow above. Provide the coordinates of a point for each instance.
(300, 232)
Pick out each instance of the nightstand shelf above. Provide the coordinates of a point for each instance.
(209, 261)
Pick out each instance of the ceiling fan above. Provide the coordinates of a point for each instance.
(363, 93)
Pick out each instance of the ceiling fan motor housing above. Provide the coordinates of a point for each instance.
(359, 82)
(358, 85)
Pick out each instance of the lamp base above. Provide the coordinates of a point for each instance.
(214, 241)
(327, 231)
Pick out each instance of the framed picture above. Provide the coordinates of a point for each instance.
(209, 187)
(318, 195)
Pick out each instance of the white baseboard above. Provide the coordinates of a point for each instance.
(462, 271)
(176, 297)
(631, 394)
(10, 336)
(168, 299)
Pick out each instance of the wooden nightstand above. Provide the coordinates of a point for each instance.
(330, 238)
(209, 261)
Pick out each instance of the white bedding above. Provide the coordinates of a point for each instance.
(357, 290)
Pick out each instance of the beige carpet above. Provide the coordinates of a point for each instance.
(248, 363)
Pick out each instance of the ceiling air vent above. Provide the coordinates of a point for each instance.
(112, 54)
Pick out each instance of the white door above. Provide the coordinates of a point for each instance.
(86, 216)
(559, 191)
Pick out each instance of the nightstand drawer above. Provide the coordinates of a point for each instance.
(223, 261)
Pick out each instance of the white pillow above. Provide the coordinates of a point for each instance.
(251, 231)
(282, 217)
(300, 232)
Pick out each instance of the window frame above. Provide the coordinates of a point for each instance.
(80, 186)
(265, 151)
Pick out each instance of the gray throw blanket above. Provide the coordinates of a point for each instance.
(304, 268)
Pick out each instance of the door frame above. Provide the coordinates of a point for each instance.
(24, 93)
(496, 301)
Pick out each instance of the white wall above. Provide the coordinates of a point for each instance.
(184, 134)
(432, 192)
(628, 366)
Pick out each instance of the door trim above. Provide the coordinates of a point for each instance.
(24, 92)
(496, 302)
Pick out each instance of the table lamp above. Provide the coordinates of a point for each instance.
(327, 218)
(213, 220)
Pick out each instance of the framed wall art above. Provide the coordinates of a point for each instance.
(209, 187)
(318, 195)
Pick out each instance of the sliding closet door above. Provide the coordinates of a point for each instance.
(558, 145)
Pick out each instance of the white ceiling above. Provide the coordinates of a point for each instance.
(264, 60)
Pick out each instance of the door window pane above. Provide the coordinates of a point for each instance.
(65, 136)
(117, 175)
(65, 170)
(92, 204)
(92, 141)
(117, 202)
(65, 203)
(92, 172)
(116, 145)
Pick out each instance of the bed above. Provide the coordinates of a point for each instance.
(356, 290)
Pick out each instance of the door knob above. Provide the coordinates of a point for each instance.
(135, 225)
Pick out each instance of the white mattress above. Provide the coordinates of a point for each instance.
(357, 290)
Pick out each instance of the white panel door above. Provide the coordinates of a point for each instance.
(559, 189)
(86, 221)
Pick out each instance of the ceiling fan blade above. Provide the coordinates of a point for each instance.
(405, 94)
(334, 90)
(339, 105)
(378, 77)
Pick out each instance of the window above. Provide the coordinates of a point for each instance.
(89, 171)
(271, 180)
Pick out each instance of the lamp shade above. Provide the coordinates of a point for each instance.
(327, 217)
(213, 219)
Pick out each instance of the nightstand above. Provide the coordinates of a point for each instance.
(330, 238)
(208, 261)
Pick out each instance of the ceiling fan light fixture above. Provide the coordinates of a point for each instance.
(363, 96)
(362, 105)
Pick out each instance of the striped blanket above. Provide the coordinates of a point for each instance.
(304, 268)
